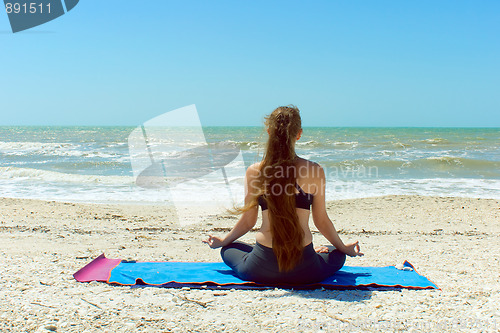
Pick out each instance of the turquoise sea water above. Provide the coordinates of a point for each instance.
(92, 164)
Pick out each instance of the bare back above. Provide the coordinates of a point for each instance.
(306, 172)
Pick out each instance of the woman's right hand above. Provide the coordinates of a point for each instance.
(353, 250)
(214, 242)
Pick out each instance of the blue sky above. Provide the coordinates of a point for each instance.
(343, 63)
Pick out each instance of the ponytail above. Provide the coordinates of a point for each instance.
(276, 182)
(279, 179)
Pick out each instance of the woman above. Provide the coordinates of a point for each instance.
(287, 188)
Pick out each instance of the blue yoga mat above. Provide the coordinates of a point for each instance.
(217, 274)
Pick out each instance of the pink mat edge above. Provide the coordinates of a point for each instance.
(98, 269)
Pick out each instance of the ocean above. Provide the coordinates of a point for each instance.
(93, 164)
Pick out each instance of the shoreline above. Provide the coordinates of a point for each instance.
(450, 240)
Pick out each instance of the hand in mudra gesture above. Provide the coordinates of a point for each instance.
(353, 250)
(213, 241)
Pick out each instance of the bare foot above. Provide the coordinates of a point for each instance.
(321, 249)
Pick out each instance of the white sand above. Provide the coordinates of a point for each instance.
(452, 241)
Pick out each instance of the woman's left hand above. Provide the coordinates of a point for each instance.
(353, 250)
(214, 242)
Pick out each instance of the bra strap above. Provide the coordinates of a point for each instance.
(300, 189)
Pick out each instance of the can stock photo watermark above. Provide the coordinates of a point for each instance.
(26, 14)
(170, 152)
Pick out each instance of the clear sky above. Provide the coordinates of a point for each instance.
(343, 63)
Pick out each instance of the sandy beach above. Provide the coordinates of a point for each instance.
(452, 241)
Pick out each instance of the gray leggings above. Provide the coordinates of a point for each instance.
(259, 264)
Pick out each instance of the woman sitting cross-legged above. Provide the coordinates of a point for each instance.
(287, 188)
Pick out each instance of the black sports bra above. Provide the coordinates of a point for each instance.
(302, 199)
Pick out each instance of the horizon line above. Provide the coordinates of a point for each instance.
(260, 126)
